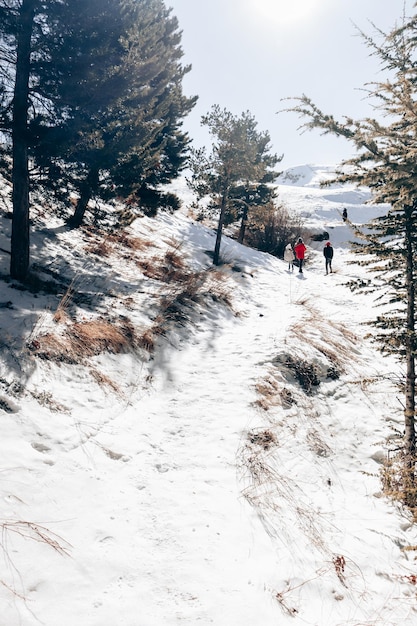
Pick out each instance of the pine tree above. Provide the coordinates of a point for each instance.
(32, 35)
(97, 102)
(386, 163)
(127, 112)
(235, 174)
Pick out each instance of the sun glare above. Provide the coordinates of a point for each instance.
(283, 12)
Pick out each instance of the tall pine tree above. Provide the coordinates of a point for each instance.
(91, 91)
(123, 103)
(386, 163)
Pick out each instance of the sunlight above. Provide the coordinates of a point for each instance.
(282, 12)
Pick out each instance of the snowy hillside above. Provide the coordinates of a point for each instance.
(164, 459)
(299, 188)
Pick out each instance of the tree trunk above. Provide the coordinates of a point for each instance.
(87, 189)
(19, 260)
(216, 255)
(410, 383)
(244, 221)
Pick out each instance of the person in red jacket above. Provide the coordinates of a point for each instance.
(299, 250)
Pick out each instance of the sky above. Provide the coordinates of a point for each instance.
(197, 482)
(253, 54)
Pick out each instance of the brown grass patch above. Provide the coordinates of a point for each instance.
(85, 339)
(268, 391)
(104, 246)
(103, 380)
(95, 337)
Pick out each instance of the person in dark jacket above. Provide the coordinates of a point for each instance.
(300, 250)
(328, 255)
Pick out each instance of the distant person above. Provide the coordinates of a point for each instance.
(328, 255)
(289, 256)
(300, 250)
(344, 214)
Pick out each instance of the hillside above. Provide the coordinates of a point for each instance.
(189, 445)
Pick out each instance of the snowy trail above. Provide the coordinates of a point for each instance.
(169, 511)
(184, 438)
(196, 428)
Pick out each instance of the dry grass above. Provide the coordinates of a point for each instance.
(35, 532)
(28, 531)
(331, 339)
(108, 244)
(46, 399)
(178, 303)
(263, 438)
(103, 380)
(84, 339)
(267, 389)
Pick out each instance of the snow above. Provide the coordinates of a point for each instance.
(179, 487)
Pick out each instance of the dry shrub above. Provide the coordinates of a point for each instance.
(168, 269)
(60, 314)
(399, 480)
(28, 531)
(51, 347)
(287, 398)
(339, 563)
(35, 532)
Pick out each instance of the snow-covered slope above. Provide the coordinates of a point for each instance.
(193, 480)
(299, 189)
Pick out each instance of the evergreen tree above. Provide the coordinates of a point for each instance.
(386, 163)
(235, 174)
(32, 35)
(97, 101)
(127, 115)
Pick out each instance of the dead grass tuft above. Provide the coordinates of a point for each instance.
(104, 245)
(36, 532)
(268, 391)
(332, 340)
(97, 336)
(103, 380)
(148, 339)
(46, 399)
(100, 248)
(263, 438)
(85, 339)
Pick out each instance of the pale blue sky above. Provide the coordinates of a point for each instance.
(249, 54)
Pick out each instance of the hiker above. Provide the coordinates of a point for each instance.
(289, 256)
(328, 255)
(344, 214)
(299, 250)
